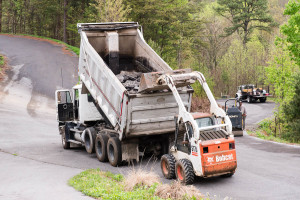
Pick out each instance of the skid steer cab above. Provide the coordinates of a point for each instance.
(204, 144)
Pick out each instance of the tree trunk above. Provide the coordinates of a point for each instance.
(0, 16)
(65, 20)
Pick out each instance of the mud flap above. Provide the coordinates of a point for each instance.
(130, 150)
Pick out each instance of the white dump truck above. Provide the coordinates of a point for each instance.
(119, 109)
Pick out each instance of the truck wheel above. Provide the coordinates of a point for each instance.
(167, 164)
(89, 140)
(262, 100)
(184, 171)
(114, 151)
(65, 144)
(249, 99)
(101, 147)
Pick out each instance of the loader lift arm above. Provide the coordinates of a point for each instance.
(184, 115)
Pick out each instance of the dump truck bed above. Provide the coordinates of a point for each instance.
(108, 52)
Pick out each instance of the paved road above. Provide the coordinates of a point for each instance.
(41, 168)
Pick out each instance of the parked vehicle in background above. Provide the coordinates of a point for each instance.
(251, 93)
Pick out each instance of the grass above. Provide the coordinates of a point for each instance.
(76, 50)
(1, 61)
(106, 185)
(265, 132)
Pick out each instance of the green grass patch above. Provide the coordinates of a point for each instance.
(265, 131)
(1, 61)
(76, 50)
(105, 185)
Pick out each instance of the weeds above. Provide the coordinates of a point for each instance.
(1, 61)
(178, 191)
(265, 131)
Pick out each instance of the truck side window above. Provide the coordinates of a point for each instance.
(64, 97)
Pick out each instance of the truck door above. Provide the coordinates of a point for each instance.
(64, 105)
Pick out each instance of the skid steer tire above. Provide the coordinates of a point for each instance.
(101, 147)
(89, 140)
(167, 164)
(184, 171)
(65, 144)
(114, 151)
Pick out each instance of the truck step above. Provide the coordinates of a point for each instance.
(75, 130)
(74, 141)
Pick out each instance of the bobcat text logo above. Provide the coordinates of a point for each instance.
(224, 158)
(210, 159)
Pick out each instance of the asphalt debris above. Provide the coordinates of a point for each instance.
(131, 80)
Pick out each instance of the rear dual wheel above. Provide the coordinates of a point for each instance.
(114, 151)
(101, 147)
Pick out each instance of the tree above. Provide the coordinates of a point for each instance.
(246, 16)
(292, 29)
(1, 16)
(112, 10)
(65, 20)
(292, 113)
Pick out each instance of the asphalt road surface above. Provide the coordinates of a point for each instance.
(35, 166)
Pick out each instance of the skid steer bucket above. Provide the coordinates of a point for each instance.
(149, 81)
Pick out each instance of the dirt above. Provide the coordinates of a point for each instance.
(64, 48)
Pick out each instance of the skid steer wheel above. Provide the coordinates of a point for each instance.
(114, 151)
(184, 171)
(89, 140)
(167, 164)
(65, 144)
(101, 147)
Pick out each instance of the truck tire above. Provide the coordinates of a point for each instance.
(89, 140)
(184, 171)
(262, 100)
(101, 147)
(167, 164)
(65, 144)
(249, 99)
(114, 151)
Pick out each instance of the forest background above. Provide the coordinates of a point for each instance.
(230, 42)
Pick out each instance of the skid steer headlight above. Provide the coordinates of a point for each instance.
(231, 145)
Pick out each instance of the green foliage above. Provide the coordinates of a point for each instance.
(292, 113)
(171, 24)
(246, 16)
(1, 61)
(266, 132)
(280, 74)
(106, 185)
(292, 29)
(111, 10)
(242, 65)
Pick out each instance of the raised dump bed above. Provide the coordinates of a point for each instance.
(113, 57)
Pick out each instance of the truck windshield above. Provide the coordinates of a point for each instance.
(203, 122)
